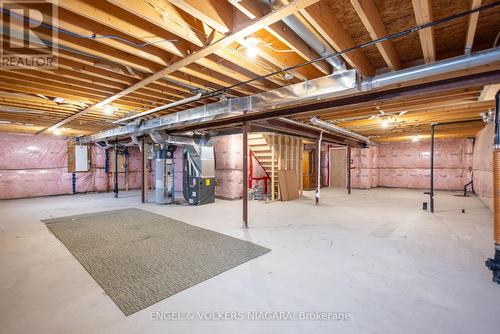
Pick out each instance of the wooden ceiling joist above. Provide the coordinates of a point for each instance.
(207, 50)
(472, 26)
(423, 14)
(368, 13)
(324, 20)
(140, 54)
(256, 9)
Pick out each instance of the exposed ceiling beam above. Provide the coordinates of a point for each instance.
(159, 14)
(207, 50)
(471, 26)
(324, 20)
(489, 92)
(216, 13)
(423, 14)
(255, 9)
(369, 15)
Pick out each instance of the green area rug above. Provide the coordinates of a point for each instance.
(140, 258)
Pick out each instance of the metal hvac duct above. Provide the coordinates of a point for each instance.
(307, 36)
(337, 129)
(160, 108)
(338, 84)
(439, 67)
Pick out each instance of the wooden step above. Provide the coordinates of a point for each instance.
(257, 141)
(260, 149)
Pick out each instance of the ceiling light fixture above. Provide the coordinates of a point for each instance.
(414, 138)
(57, 132)
(109, 109)
(385, 123)
(59, 99)
(250, 44)
(5, 122)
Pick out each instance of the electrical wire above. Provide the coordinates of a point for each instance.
(362, 46)
(94, 36)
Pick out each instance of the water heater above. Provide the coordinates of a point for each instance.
(164, 175)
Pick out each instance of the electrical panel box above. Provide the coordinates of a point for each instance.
(81, 158)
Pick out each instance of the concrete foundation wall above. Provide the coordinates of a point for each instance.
(482, 165)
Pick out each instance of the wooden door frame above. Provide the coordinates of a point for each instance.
(330, 164)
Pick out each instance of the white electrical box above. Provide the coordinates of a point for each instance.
(81, 158)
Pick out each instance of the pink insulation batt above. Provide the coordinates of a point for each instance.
(407, 165)
(37, 166)
(229, 166)
(482, 165)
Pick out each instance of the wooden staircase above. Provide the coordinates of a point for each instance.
(261, 146)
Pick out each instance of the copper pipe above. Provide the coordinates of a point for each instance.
(496, 195)
(494, 263)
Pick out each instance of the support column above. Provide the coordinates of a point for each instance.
(115, 187)
(349, 169)
(272, 170)
(143, 170)
(245, 174)
(318, 170)
(431, 192)
(494, 263)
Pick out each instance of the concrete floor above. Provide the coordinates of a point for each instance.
(376, 255)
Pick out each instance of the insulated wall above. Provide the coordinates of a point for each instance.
(407, 165)
(482, 165)
(364, 172)
(229, 166)
(37, 166)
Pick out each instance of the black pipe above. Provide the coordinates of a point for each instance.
(115, 187)
(431, 191)
(359, 46)
(496, 141)
(349, 169)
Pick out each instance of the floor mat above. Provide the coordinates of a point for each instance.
(140, 258)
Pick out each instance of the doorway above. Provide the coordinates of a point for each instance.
(338, 167)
